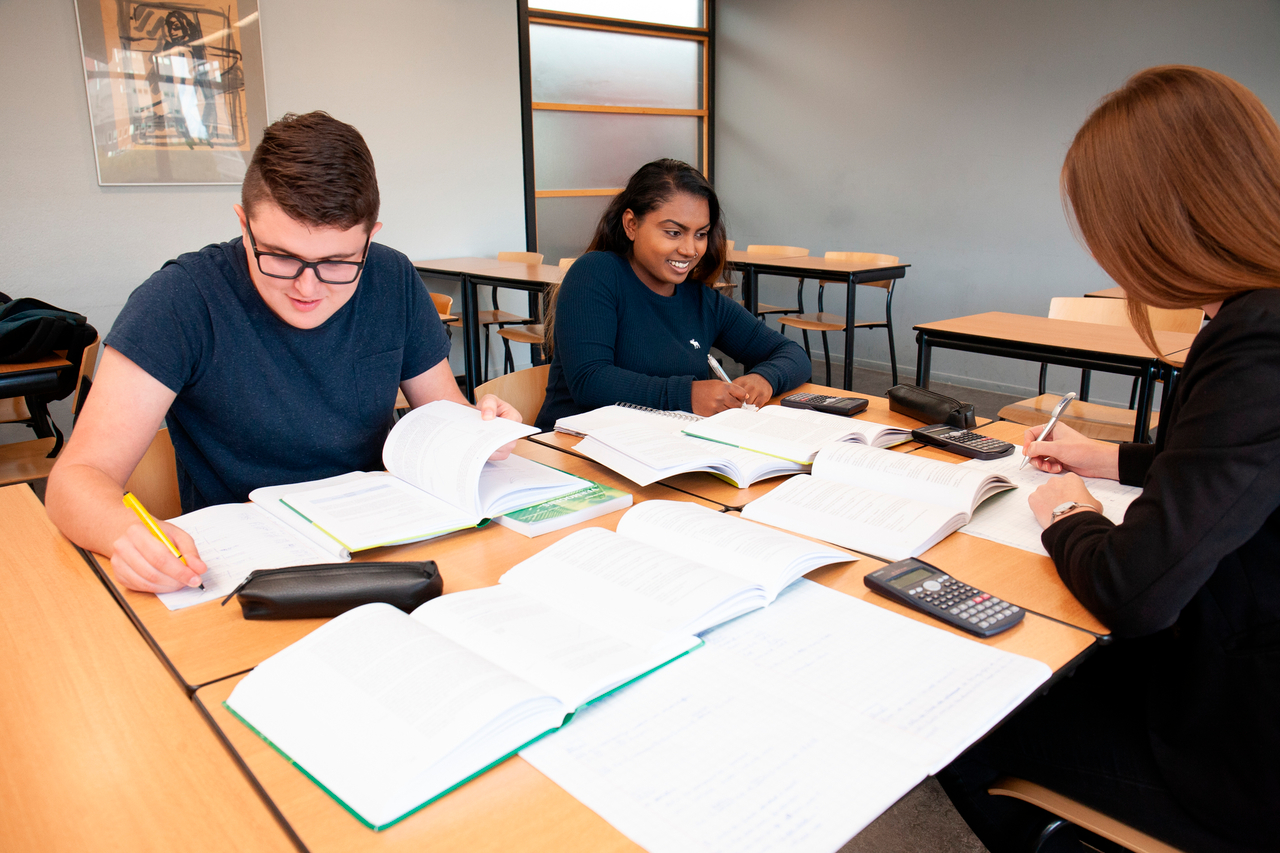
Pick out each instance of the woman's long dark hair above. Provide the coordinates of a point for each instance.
(653, 185)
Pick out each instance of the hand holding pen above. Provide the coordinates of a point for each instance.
(136, 571)
(724, 377)
(1053, 421)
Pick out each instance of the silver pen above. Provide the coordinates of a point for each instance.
(1053, 421)
(724, 377)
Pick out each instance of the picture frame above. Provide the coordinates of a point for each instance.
(175, 89)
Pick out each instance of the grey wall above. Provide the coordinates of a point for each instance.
(935, 131)
(432, 84)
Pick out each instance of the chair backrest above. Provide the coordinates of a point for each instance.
(869, 258)
(793, 251)
(443, 303)
(1115, 312)
(520, 257)
(155, 480)
(728, 245)
(524, 389)
(565, 263)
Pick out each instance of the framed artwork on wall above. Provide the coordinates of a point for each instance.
(175, 89)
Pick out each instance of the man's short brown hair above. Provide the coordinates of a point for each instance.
(318, 170)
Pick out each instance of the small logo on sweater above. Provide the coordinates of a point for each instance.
(696, 345)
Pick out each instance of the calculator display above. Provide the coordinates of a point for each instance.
(911, 578)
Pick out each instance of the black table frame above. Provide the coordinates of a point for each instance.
(752, 270)
(1148, 369)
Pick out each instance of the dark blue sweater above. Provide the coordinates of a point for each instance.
(616, 341)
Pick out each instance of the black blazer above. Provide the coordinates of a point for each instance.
(1195, 566)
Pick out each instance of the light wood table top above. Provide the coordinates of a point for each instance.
(1109, 293)
(513, 806)
(710, 487)
(815, 266)
(208, 642)
(101, 749)
(489, 268)
(458, 265)
(742, 256)
(1065, 334)
(1029, 580)
(50, 362)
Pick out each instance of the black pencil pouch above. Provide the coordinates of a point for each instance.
(311, 592)
(930, 407)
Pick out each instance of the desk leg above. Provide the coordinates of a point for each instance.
(470, 335)
(1146, 393)
(850, 312)
(924, 353)
(750, 290)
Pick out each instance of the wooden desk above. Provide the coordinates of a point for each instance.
(851, 273)
(1109, 293)
(469, 272)
(208, 642)
(513, 806)
(101, 749)
(1090, 346)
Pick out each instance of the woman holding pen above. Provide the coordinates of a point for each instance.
(1174, 728)
(635, 317)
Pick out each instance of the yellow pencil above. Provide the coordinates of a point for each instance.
(154, 526)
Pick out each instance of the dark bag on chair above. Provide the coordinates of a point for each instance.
(31, 330)
(930, 407)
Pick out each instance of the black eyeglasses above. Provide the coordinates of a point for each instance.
(289, 267)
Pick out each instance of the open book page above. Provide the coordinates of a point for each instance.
(568, 658)
(234, 540)
(386, 713)
(644, 456)
(1008, 518)
(606, 416)
(376, 509)
(676, 761)
(630, 587)
(889, 527)
(441, 447)
(908, 476)
(793, 434)
(515, 483)
(762, 555)
(923, 693)
(270, 499)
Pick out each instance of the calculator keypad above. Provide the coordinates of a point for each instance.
(963, 602)
(976, 441)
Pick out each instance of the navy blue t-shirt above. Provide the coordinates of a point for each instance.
(261, 402)
(616, 341)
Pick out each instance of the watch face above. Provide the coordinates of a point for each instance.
(1066, 507)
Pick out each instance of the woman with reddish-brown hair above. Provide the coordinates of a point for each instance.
(1173, 728)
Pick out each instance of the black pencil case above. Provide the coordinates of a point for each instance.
(330, 589)
(930, 407)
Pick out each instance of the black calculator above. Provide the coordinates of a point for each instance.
(962, 441)
(927, 588)
(821, 403)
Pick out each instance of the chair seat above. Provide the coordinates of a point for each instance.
(13, 409)
(1081, 815)
(24, 461)
(822, 322)
(726, 287)
(451, 319)
(762, 308)
(533, 333)
(1108, 423)
(488, 318)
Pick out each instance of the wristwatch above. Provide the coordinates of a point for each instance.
(1063, 509)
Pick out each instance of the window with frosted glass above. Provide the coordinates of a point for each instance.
(581, 66)
(677, 13)
(565, 225)
(591, 150)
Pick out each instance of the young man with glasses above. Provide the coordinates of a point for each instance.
(274, 358)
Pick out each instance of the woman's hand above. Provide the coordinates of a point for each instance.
(1067, 450)
(492, 407)
(759, 391)
(1056, 492)
(711, 396)
(142, 562)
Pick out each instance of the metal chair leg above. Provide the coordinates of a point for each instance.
(888, 323)
(826, 354)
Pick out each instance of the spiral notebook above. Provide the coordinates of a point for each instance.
(619, 414)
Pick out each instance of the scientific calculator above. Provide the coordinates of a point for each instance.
(821, 403)
(927, 588)
(962, 441)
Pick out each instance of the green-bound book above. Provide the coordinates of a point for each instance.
(584, 505)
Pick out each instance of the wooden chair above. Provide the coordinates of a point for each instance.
(794, 251)
(27, 461)
(1093, 419)
(1079, 814)
(524, 389)
(824, 322)
(533, 334)
(498, 317)
(14, 409)
(444, 307)
(724, 285)
(155, 480)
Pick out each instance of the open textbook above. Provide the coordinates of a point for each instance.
(387, 711)
(839, 705)
(645, 446)
(1007, 518)
(792, 434)
(892, 505)
(440, 480)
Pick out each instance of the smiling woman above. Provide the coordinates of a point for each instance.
(635, 317)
